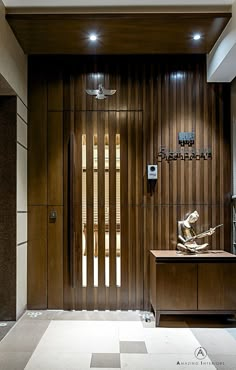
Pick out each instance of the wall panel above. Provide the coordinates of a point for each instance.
(164, 94)
(55, 158)
(8, 238)
(37, 258)
(37, 136)
(55, 258)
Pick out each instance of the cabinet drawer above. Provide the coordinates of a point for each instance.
(176, 287)
(216, 286)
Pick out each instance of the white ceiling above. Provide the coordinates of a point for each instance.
(96, 3)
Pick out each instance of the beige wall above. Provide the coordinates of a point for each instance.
(22, 209)
(13, 61)
(13, 72)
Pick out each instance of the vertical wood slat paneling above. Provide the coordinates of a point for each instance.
(174, 167)
(55, 89)
(55, 158)
(37, 294)
(226, 164)
(201, 145)
(68, 89)
(139, 252)
(69, 297)
(124, 210)
(165, 166)
(78, 207)
(112, 209)
(220, 165)
(37, 188)
(90, 209)
(55, 259)
(101, 212)
(37, 136)
(145, 197)
(189, 173)
(131, 207)
(55, 193)
(158, 137)
(192, 114)
(214, 153)
(169, 105)
(82, 123)
(188, 128)
(80, 84)
(198, 133)
(206, 139)
(148, 108)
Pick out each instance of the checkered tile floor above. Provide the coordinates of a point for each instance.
(58, 340)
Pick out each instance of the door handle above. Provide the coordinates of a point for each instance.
(70, 226)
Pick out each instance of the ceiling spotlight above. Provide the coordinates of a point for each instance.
(197, 36)
(93, 37)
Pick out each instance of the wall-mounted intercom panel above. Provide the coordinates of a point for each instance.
(152, 172)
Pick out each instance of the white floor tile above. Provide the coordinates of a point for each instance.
(131, 331)
(69, 344)
(216, 341)
(162, 362)
(53, 360)
(81, 337)
(170, 340)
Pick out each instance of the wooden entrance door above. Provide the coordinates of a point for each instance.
(103, 222)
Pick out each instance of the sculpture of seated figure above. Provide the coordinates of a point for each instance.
(187, 235)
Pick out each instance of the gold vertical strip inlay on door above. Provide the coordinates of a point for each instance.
(84, 213)
(118, 231)
(106, 174)
(95, 209)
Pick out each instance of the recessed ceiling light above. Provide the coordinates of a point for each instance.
(177, 75)
(197, 36)
(93, 37)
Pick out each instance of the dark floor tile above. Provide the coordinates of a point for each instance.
(223, 362)
(14, 360)
(5, 326)
(105, 360)
(24, 336)
(132, 347)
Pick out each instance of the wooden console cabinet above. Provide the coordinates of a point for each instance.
(191, 284)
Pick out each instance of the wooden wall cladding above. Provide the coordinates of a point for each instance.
(55, 158)
(172, 95)
(55, 258)
(37, 137)
(37, 264)
(8, 208)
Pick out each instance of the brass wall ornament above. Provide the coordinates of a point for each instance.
(184, 153)
(101, 92)
(186, 138)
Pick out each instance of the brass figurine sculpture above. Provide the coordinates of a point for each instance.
(187, 235)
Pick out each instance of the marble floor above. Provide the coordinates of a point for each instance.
(81, 340)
